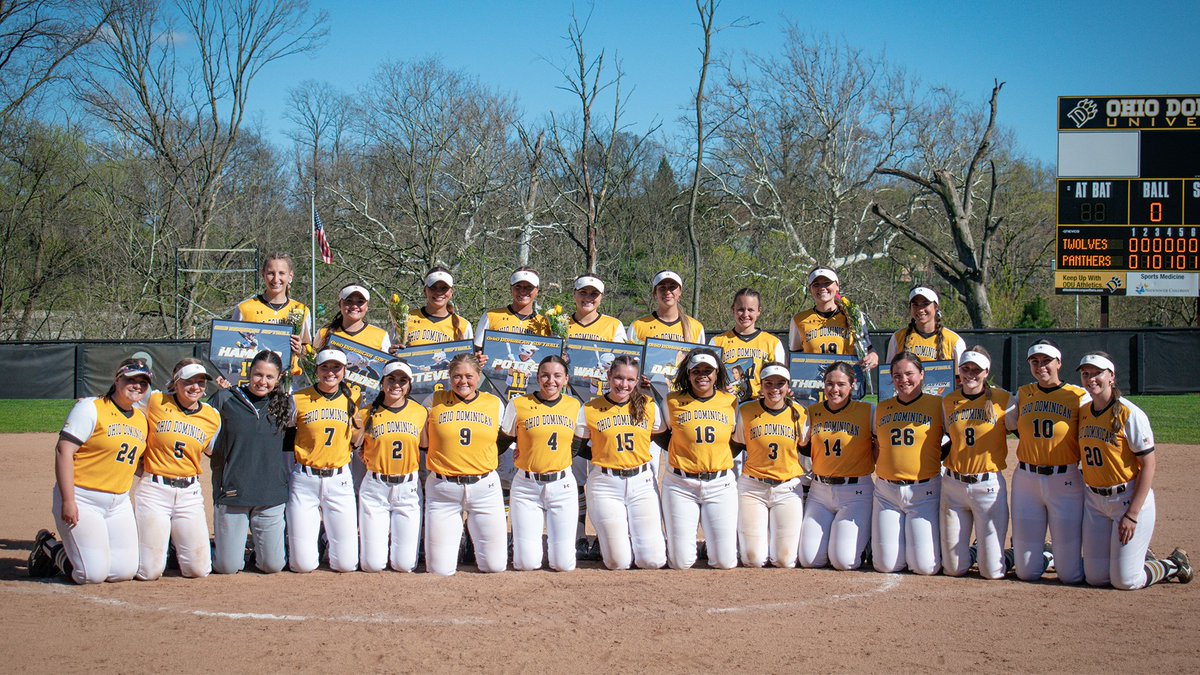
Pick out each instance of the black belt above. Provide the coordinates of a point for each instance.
(969, 478)
(545, 477)
(394, 480)
(462, 480)
(907, 482)
(1044, 470)
(1110, 491)
(174, 482)
(703, 475)
(769, 481)
(322, 473)
(625, 473)
(836, 480)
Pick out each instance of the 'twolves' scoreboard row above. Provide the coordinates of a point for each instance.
(1128, 195)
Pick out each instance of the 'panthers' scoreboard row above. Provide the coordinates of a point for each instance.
(1128, 195)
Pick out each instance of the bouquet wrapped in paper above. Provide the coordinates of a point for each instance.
(557, 321)
(857, 320)
(295, 319)
(398, 311)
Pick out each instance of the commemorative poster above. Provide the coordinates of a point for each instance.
(512, 361)
(589, 361)
(808, 376)
(233, 345)
(939, 379)
(661, 360)
(364, 368)
(429, 363)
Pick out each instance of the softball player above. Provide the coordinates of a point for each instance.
(350, 322)
(908, 433)
(974, 491)
(622, 495)
(586, 322)
(770, 508)
(746, 346)
(700, 487)
(925, 337)
(321, 489)
(667, 321)
(167, 503)
(274, 305)
(543, 493)
(1047, 486)
(1118, 468)
(519, 317)
(837, 513)
(389, 504)
(825, 329)
(462, 433)
(437, 321)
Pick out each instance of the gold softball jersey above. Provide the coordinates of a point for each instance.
(368, 336)
(760, 346)
(975, 425)
(910, 438)
(816, 332)
(653, 327)
(544, 431)
(423, 329)
(505, 320)
(841, 441)
(1047, 422)
(258, 310)
(323, 429)
(603, 327)
(617, 441)
(924, 346)
(700, 431)
(110, 443)
(1111, 458)
(772, 439)
(178, 437)
(462, 434)
(392, 438)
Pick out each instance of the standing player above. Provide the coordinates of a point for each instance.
(837, 513)
(276, 306)
(1047, 487)
(622, 495)
(462, 433)
(1118, 468)
(925, 337)
(974, 491)
(167, 502)
(543, 490)
(746, 346)
(587, 323)
(321, 490)
(350, 322)
(519, 317)
(668, 321)
(825, 329)
(770, 509)
(908, 433)
(389, 504)
(700, 487)
(437, 321)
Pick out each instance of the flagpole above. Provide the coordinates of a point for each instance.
(312, 239)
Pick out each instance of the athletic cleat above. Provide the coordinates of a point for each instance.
(1048, 557)
(41, 565)
(583, 549)
(1180, 558)
(595, 553)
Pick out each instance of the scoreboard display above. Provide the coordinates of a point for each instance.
(1128, 196)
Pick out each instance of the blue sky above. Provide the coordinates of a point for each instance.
(1041, 49)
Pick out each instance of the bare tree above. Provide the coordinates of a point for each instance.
(322, 117)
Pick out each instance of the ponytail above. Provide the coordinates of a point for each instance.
(937, 327)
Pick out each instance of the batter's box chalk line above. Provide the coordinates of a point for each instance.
(886, 584)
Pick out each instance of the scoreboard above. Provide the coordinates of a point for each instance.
(1128, 196)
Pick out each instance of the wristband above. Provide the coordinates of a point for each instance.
(1126, 516)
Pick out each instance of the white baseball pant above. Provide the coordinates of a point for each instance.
(554, 506)
(769, 520)
(1055, 500)
(837, 523)
(103, 544)
(628, 522)
(170, 514)
(1105, 559)
(981, 506)
(313, 500)
(388, 512)
(711, 504)
(904, 527)
(483, 502)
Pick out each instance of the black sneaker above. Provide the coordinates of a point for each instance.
(1180, 558)
(594, 553)
(583, 549)
(41, 565)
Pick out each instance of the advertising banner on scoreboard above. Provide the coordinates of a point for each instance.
(512, 360)
(589, 361)
(364, 368)
(429, 363)
(1179, 285)
(661, 360)
(1089, 283)
(808, 376)
(939, 379)
(233, 345)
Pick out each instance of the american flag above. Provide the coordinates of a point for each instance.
(319, 229)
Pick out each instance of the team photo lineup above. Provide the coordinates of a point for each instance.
(505, 465)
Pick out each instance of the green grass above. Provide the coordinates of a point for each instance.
(47, 416)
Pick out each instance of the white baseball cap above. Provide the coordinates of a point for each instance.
(923, 292)
(432, 278)
(331, 355)
(1044, 349)
(978, 359)
(776, 371)
(823, 272)
(663, 276)
(1097, 361)
(589, 281)
(191, 370)
(351, 290)
(525, 275)
(701, 359)
(606, 358)
(397, 366)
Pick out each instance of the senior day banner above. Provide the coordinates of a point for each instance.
(939, 379)
(808, 376)
(429, 363)
(588, 364)
(661, 360)
(512, 360)
(364, 368)
(234, 343)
